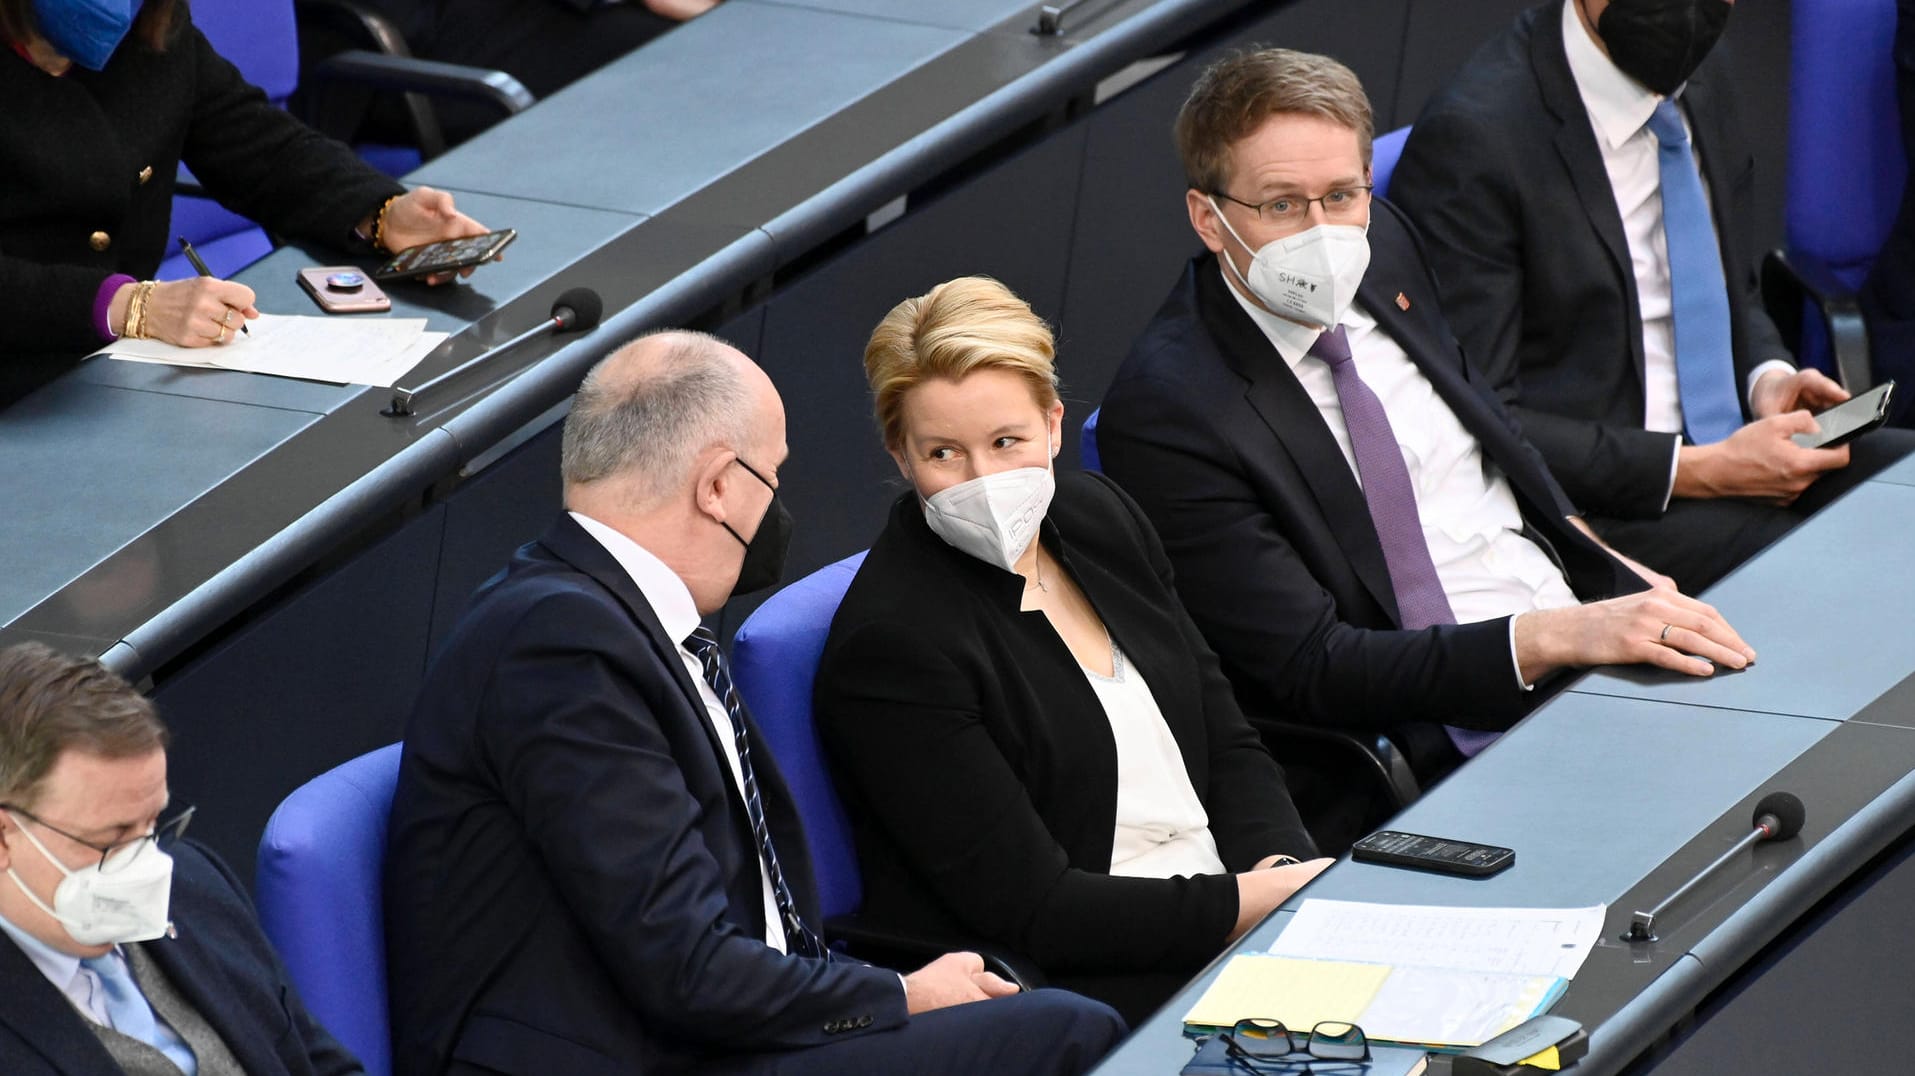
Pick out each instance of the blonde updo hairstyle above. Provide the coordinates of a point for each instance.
(959, 327)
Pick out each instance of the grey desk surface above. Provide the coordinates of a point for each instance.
(671, 181)
(1622, 788)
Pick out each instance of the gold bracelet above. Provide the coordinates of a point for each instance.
(136, 310)
(379, 225)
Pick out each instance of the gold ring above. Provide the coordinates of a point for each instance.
(227, 321)
(1664, 637)
(221, 338)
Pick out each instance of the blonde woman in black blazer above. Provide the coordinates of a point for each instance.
(962, 699)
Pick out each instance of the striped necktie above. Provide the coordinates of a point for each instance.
(799, 938)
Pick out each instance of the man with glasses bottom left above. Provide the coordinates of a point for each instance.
(123, 948)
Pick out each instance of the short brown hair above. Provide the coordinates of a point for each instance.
(152, 27)
(1235, 95)
(961, 326)
(51, 703)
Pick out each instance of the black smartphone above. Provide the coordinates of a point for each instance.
(1849, 419)
(1439, 854)
(445, 256)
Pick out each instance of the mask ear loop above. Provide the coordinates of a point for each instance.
(1227, 259)
(32, 897)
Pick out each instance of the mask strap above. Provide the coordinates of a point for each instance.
(57, 865)
(1227, 259)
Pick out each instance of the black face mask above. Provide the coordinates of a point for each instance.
(765, 554)
(1659, 43)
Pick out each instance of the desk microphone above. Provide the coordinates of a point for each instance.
(575, 310)
(1778, 816)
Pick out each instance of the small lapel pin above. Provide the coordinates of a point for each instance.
(1402, 301)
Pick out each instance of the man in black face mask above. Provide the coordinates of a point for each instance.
(1585, 191)
(593, 864)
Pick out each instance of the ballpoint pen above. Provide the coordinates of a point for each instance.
(200, 268)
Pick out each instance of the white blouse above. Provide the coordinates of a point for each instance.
(1162, 830)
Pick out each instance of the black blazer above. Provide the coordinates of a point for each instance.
(1504, 177)
(978, 764)
(1276, 557)
(571, 882)
(74, 149)
(220, 962)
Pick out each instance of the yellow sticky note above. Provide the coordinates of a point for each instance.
(1547, 1058)
(1301, 993)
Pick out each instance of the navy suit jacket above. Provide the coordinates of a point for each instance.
(1503, 176)
(219, 961)
(571, 881)
(1275, 554)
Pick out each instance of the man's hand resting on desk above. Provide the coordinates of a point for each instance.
(952, 979)
(1654, 627)
(1260, 891)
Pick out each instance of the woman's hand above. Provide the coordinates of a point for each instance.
(199, 312)
(426, 215)
(1260, 891)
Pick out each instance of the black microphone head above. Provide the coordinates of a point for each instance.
(577, 310)
(1781, 814)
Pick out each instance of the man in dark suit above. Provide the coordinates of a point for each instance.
(1356, 525)
(1585, 193)
(121, 948)
(591, 867)
(1888, 295)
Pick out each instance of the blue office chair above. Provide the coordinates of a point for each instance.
(1384, 153)
(1087, 444)
(774, 663)
(1846, 167)
(320, 894)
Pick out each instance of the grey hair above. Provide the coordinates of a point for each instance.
(645, 417)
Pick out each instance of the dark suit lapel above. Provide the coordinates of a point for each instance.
(44, 1019)
(1582, 157)
(1293, 419)
(1434, 352)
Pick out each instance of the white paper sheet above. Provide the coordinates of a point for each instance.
(1519, 941)
(340, 350)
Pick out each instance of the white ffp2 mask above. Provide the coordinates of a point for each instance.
(125, 899)
(1310, 277)
(993, 517)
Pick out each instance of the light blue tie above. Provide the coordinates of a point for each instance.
(1699, 293)
(130, 1015)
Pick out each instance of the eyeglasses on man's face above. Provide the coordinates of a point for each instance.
(164, 835)
(1340, 206)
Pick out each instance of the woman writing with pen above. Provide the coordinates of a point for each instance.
(104, 100)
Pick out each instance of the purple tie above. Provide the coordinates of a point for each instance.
(1420, 601)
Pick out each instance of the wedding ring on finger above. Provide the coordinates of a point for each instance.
(1664, 637)
(226, 322)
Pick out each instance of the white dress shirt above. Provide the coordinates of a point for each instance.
(1619, 108)
(668, 596)
(79, 983)
(1162, 828)
(1471, 522)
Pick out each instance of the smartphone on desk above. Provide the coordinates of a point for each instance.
(445, 256)
(1439, 854)
(343, 289)
(1849, 419)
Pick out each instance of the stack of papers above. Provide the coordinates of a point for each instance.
(343, 351)
(1447, 978)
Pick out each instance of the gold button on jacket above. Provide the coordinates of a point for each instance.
(146, 174)
(99, 240)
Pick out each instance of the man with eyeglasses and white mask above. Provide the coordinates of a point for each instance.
(1357, 525)
(122, 948)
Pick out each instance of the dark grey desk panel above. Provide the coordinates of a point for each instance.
(641, 134)
(1901, 473)
(973, 15)
(229, 386)
(86, 469)
(1636, 763)
(1828, 610)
